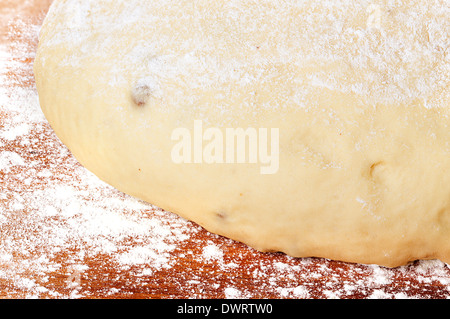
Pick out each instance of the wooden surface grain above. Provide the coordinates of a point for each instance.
(64, 234)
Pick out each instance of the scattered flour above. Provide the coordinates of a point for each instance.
(233, 293)
(9, 160)
(212, 252)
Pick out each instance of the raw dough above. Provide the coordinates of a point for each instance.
(358, 91)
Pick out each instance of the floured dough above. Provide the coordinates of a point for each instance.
(358, 93)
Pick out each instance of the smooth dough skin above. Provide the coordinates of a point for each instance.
(354, 96)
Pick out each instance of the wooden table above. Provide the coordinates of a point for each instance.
(65, 234)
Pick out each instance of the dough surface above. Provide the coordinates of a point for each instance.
(358, 91)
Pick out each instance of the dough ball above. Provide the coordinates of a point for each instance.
(315, 128)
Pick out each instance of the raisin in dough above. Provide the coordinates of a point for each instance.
(359, 92)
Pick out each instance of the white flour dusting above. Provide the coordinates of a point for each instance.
(65, 234)
(407, 58)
